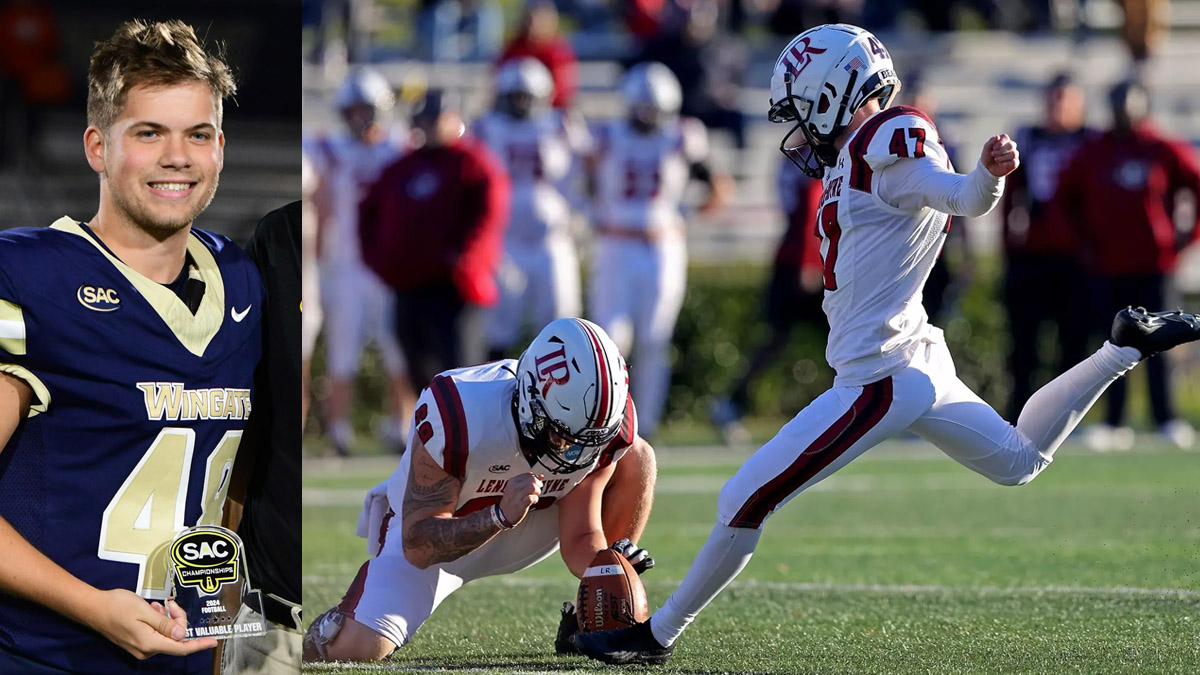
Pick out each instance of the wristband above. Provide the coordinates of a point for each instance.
(498, 517)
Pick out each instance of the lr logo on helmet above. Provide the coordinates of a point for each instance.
(552, 368)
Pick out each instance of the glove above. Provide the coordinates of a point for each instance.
(375, 508)
(639, 558)
(567, 626)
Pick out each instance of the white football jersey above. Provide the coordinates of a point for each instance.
(465, 420)
(641, 178)
(347, 168)
(877, 257)
(540, 154)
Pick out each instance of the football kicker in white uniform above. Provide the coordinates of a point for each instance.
(499, 471)
(357, 307)
(541, 147)
(889, 193)
(643, 164)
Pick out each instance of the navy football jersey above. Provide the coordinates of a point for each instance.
(139, 410)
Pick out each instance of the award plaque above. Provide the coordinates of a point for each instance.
(208, 578)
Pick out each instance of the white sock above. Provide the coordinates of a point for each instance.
(1054, 410)
(722, 558)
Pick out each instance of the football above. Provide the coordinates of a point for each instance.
(610, 594)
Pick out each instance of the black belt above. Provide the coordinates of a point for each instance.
(279, 611)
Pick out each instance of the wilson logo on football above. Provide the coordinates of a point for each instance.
(205, 559)
(98, 299)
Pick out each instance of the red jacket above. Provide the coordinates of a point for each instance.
(438, 215)
(1118, 194)
(559, 59)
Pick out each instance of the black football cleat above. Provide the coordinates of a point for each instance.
(623, 646)
(1153, 332)
(568, 625)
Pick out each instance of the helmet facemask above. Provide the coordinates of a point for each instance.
(817, 150)
(557, 448)
(518, 105)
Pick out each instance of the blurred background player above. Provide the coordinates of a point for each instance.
(793, 295)
(358, 307)
(1044, 284)
(1119, 195)
(432, 227)
(538, 280)
(310, 290)
(643, 164)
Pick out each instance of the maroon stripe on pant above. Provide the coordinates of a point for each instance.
(353, 594)
(454, 425)
(866, 411)
(383, 527)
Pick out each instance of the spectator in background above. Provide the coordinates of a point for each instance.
(793, 295)
(358, 308)
(432, 228)
(1145, 25)
(709, 69)
(34, 76)
(643, 18)
(538, 36)
(789, 17)
(1118, 194)
(1044, 282)
(459, 30)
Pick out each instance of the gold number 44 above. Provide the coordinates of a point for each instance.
(146, 513)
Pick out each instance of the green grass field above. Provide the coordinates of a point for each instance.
(904, 562)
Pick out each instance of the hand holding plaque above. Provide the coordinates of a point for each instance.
(207, 569)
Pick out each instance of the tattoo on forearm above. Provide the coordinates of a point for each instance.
(437, 537)
(446, 539)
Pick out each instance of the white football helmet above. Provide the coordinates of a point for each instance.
(522, 86)
(364, 99)
(652, 93)
(572, 388)
(365, 85)
(821, 79)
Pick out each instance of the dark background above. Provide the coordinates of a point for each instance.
(43, 173)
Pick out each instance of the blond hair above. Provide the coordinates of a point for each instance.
(151, 53)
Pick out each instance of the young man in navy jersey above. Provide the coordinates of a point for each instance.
(127, 351)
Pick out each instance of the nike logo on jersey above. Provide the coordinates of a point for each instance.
(98, 299)
(238, 316)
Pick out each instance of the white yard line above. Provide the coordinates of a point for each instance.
(397, 668)
(813, 587)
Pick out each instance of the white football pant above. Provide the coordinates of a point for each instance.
(357, 308)
(538, 284)
(635, 295)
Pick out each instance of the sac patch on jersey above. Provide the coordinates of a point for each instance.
(139, 410)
